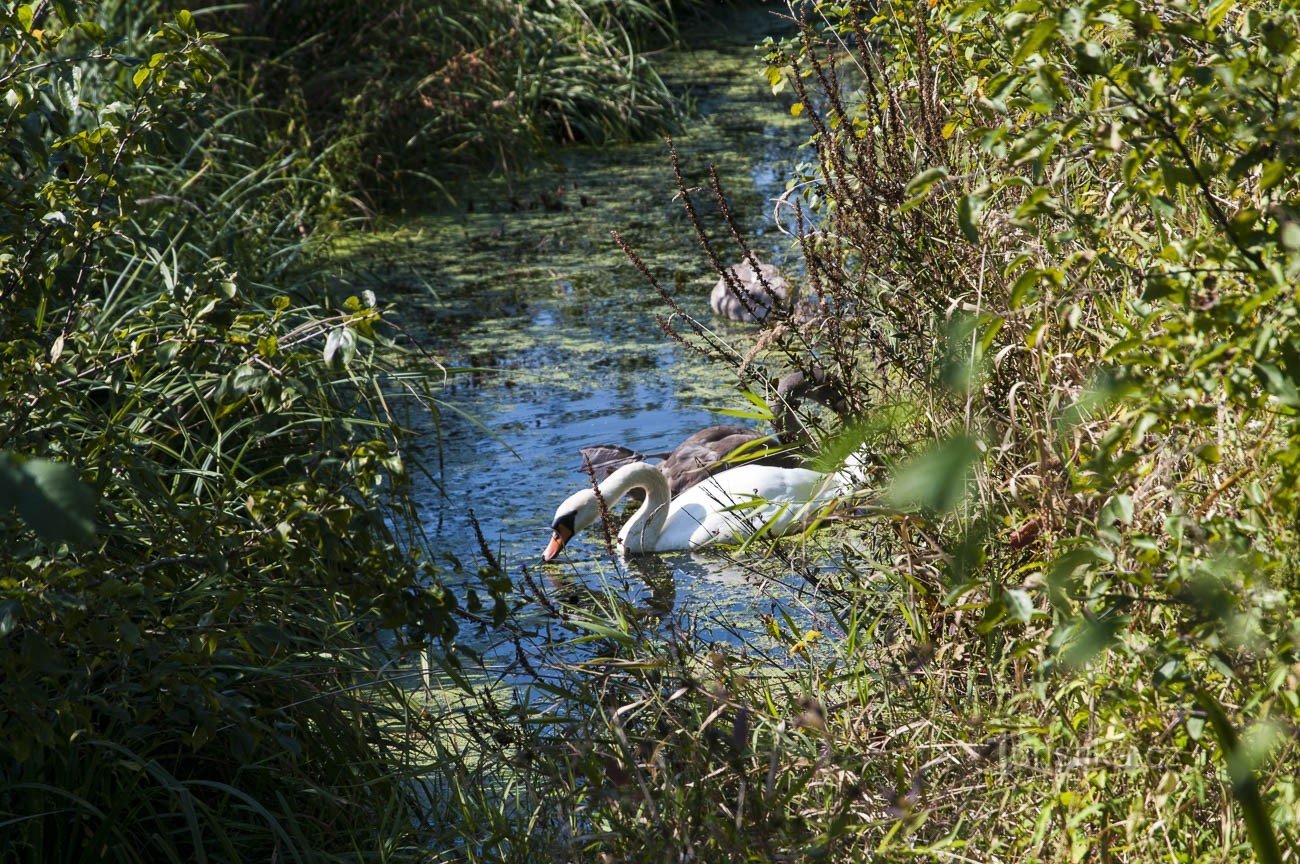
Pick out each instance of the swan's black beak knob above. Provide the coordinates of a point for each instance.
(560, 535)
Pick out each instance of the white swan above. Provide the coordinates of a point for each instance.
(728, 507)
(706, 452)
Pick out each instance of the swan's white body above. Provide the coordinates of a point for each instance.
(728, 507)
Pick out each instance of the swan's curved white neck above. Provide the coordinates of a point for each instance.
(641, 532)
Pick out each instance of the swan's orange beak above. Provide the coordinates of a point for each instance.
(559, 536)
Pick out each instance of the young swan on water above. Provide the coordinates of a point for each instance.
(728, 507)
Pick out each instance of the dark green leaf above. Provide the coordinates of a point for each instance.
(967, 211)
(55, 503)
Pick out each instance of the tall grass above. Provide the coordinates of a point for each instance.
(417, 93)
(189, 608)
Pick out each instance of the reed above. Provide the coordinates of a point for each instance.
(416, 94)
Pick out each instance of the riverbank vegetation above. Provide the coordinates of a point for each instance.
(200, 535)
(1054, 251)
(400, 97)
(203, 482)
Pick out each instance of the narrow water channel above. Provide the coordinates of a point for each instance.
(522, 281)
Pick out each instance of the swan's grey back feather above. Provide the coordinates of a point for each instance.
(605, 459)
(745, 293)
(703, 454)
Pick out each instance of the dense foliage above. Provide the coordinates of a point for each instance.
(197, 461)
(417, 92)
(202, 481)
(1055, 253)
(1071, 234)
(1055, 250)
(1091, 213)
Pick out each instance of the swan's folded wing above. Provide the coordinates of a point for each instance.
(732, 506)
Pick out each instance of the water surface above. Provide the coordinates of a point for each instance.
(522, 281)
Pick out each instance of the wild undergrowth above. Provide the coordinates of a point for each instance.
(411, 95)
(1052, 252)
(200, 474)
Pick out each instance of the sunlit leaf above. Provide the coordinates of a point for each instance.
(938, 479)
(340, 347)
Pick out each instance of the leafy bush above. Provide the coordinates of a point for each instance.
(1073, 230)
(188, 636)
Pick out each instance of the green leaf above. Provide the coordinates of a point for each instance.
(1275, 171)
(1021, 290)
(1218, 12)
(9, 612)
(1278, 384)
(1091, 637)
(967, 211)
(245, 380)
(26, 18)
(937, 479)
(340, 347)
(1245, 785)
(1119, 508)
(1040, 34)
(1290, 236)
(921, 183)
(166, 352)
(1061, 578)
(50, 498)
(1018, 605)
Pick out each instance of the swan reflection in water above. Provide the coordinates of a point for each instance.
(714, 599)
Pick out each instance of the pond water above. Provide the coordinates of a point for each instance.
(522, 281)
